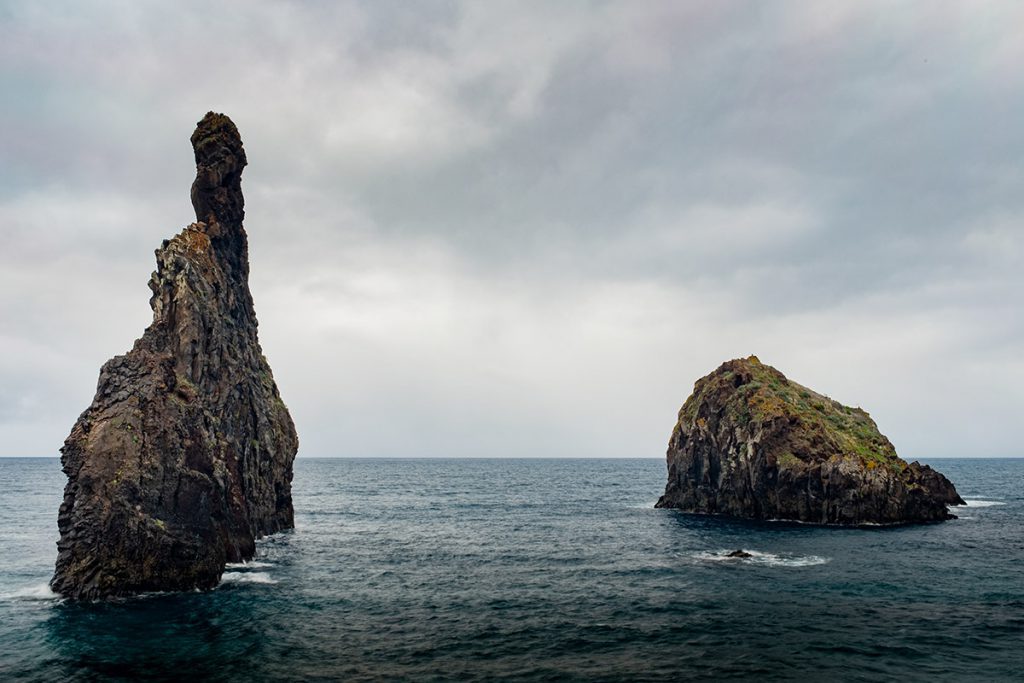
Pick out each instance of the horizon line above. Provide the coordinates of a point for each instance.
(537, 457)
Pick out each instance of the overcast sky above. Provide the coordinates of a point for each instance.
(525, 229)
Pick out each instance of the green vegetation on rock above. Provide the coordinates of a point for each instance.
(761, 394)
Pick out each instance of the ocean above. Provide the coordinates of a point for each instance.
(537, 570)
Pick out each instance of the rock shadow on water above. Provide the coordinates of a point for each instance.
(709, 540)
(157, 637)
(723, 523)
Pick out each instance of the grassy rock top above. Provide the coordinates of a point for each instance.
(750, 394)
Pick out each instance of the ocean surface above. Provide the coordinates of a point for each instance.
(538, 570)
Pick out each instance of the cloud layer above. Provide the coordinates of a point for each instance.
(525, 229)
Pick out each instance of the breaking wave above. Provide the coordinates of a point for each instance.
(38, 592)
(251, 564)
(764, 559)
(247, 577)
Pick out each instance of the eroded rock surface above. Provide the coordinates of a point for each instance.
(185, 456)
(751, 443)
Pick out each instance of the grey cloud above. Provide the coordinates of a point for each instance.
(526, 228)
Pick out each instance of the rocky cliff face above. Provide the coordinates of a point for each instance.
(751, 443)
(185, 456)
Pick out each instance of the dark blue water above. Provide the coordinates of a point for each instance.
(538, 570)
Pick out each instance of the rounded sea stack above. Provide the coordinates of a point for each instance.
(751, 443)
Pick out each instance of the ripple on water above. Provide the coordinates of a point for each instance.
(536, 570)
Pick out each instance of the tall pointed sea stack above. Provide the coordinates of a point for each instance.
(751, 443)
(185, 456)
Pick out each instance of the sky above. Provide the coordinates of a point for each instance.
(519, 229)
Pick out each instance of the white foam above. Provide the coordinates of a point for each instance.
(252, 564)
(247, 577)
(764, 559)
(975, 503)
(38, 592)
(643, 506)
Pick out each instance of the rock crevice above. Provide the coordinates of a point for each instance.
(184, 458)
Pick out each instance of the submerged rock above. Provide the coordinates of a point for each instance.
(751, 443)
(185, 456)
(739, 553)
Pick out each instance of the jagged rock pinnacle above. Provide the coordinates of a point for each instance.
(220, 159)
(184, 458)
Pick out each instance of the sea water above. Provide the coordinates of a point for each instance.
(537, 570)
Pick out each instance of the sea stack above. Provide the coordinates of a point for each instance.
(750, 443)
(185, 456)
